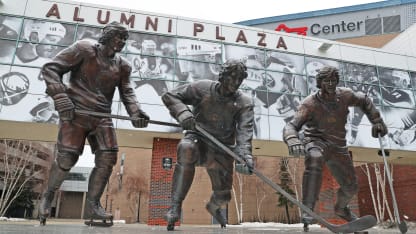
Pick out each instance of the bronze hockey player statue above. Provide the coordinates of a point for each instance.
(227, 114)
(96, 71)
(323, 115)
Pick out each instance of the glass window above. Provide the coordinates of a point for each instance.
(254, 80)
(190, 71)
(149, 44)
(35, 54)
(294, 63)
(413, 80)
(397, 97)
(373, 26)
(45, 32)
(9, 27)
(84, 32)
(391, 24)
(7, 50)
(253, 58)
(312, 67)
(394, 78)
(279, 82)
(359, 73)
(199, 51)
(153, 67)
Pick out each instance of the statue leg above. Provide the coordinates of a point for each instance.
(104, 162)
(182, 177)
(312, 181)
(60, 168)
(70, 142)
(103, 142)
(342, 169)
(217, 200)
(219, 169)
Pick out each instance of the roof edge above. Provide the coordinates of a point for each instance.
(331, 11)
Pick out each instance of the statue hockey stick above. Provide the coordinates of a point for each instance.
(106, 115)
(402, 225)
(359, 224)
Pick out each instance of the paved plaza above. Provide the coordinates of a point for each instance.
(63, 226)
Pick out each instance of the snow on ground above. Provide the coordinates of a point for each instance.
(121, 221)
(271, 225)
(12, 219)
(251, 225)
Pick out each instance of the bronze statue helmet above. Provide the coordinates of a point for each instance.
(111, 29)
(232, 65)
(324, 73)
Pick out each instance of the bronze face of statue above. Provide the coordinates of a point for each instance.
(221, 109)
(96, 71)
(322, 116)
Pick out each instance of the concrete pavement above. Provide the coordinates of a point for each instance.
(62, 226)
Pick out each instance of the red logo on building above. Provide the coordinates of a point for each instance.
(284, 28)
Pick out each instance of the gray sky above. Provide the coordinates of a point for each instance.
(228, 11)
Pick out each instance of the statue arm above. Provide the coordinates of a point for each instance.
(177, 101)
(244, 130)
(292, 128)
(367, 106)
(53, 71)
(379, 128)
(244, 137)
(127, 94)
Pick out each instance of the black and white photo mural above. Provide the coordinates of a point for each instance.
(278, 79)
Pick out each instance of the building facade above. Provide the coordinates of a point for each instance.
(364, 20)
(167, 51)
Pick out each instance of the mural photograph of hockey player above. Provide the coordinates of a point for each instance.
(398, 100)
(20, 86)
(252, 86)
(403, 135)
(312, 66)
(9, 28)
(150, 63)
(197, 60)
(88, 33)
(151, 57)
(22, 96)
(286, 87)
(359, 78)
(390, 90)
(277, 81)
(42, 40)
(153, 73)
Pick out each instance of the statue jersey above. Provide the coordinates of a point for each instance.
(229, 119)
(325, 121)
(93, 78)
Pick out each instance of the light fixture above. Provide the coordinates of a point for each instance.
(324, 46)
(167, 163)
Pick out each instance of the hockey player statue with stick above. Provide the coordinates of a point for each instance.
(227, 114)
(322, 116)
(96, 71)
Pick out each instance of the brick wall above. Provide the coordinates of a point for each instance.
(328, 197)
(404, 181)
(193, 207)
(130, 201)
(161, 180)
